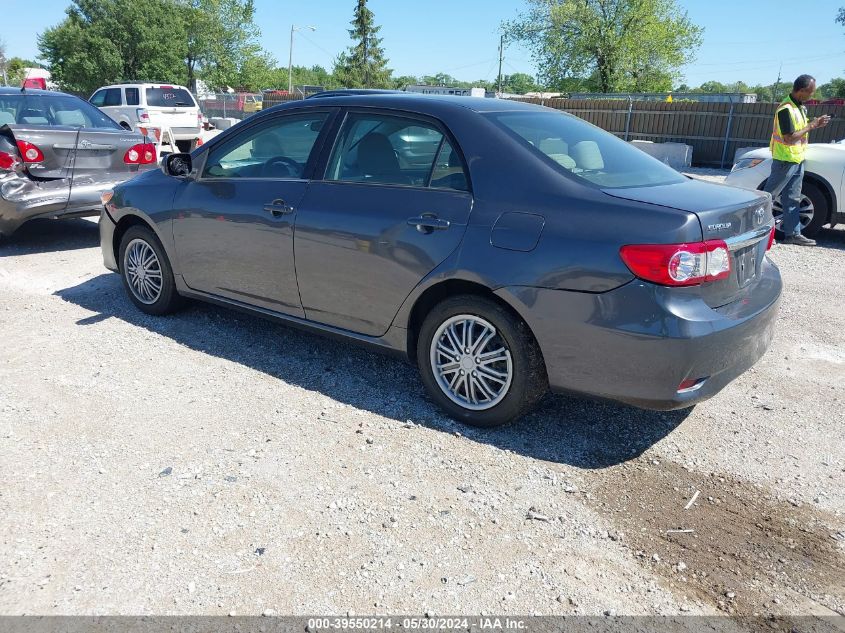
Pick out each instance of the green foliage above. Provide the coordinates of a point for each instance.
(835, 88)
(518, 83)
(363, 65)
(15, 69)
(609, 45)
(405, 80)
(221, 44)
(107, 41)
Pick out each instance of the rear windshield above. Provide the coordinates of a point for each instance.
(169, 98)
(585, 151)
(55, 109)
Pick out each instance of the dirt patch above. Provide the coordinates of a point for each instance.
(737, 548)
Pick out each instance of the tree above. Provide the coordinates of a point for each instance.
(400, 83)
(108, 41)
(835, 88)
(518, 83)
(631, 45)
(15, 72)
(221, 43)
(363, 65)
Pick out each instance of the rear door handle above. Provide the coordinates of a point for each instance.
(278, 208)
(428, 223)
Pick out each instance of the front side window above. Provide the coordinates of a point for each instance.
(394, 150)
(278, 148)
(585, 151)
(169, 97)
(133, 97)
(98, 98)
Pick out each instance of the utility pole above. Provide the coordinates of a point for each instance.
(501, 57)
(775, 97)
(290, 55)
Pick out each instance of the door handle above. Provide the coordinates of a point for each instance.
(428, 223)
(278, 208)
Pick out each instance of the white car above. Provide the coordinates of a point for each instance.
(823, 191)
(135, 105)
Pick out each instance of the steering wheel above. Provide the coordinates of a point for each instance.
(292, 167)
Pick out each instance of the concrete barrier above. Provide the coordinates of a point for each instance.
(223, 123)
(676, 155)
(742, 151)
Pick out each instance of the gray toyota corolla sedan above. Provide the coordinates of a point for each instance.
(503, 247)
(58, 153)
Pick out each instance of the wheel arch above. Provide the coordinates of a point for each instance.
(827, 192)
(124, 224)
(442, 290)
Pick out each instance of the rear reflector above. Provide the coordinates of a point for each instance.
(140, 154)
(29, 152)
(771, 239)
(678, 264)
(691, 384)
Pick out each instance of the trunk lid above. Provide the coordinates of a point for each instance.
(100, 152)
(55, 142)
(740, 217)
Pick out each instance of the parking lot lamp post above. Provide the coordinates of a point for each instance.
(293, 28)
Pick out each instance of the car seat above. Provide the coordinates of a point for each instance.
(73, 118)
(377, 160)
(587, 156)
(33, 117)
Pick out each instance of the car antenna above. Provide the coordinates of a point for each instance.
(23, 83)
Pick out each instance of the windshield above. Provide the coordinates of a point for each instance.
(51, 109)
(166, 97)
(586, 151)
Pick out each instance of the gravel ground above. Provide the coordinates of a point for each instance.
(216, 463)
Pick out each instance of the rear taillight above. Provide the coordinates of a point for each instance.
(29, 152)
(8, 162)
(678, 264)
(143, 115)
(771, 239)
(140, 154)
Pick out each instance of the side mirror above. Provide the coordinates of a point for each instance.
(177, 165)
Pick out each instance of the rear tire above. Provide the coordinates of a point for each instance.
(146, 272)
(510, 377)
(814, 211)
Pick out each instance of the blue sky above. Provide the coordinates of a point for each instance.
(743, 40)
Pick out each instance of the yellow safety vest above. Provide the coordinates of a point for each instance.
(781, 149)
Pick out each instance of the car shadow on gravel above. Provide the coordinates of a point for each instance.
(831, 238)
(563, 429)
(47, 236)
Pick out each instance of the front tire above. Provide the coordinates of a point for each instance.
(146, 272)
(479, 362)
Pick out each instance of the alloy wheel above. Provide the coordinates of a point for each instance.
(806, 210)
(143, 271)
(471, 362)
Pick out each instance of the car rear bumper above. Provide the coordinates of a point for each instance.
(186, 133)
(22, 199)
(637, 344)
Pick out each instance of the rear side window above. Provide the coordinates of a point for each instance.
(165, 97)
(394, 150)
(586, 151)
(133, 96)
(112, 97)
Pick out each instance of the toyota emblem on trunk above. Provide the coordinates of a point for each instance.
(758, 216)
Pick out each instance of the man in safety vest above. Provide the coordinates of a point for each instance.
(788, 145)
